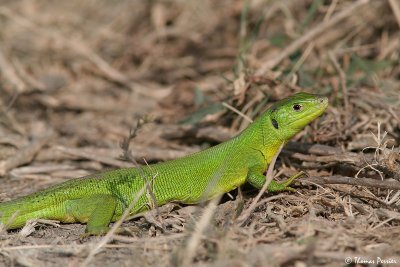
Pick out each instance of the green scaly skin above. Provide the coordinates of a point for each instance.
(101, 198)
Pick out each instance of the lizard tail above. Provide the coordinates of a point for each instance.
(15, 213)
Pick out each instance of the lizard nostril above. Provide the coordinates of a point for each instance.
(322, 99)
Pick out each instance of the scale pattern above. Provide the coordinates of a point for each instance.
(100, 198)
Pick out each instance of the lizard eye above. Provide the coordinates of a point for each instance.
(297, 107)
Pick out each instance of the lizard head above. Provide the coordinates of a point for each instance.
(290, 115)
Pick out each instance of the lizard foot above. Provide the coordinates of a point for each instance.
(284, 186)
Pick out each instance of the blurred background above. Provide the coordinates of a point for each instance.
(182, 60)
(75, 76)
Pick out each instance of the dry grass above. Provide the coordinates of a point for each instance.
(76, 75)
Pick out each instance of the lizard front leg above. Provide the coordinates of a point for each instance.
(257, 180)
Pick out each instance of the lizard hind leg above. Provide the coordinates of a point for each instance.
(95, 210)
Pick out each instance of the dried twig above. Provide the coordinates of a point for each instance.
(43, 168)
(6, 68)
(301, 60)
(78, 46)
(269, 176)
(269, 64)
(396, 9)
(343, 83)
(200, 227)
(127, 154)
(241, 114)
(114, 228)
(110, 156)
(87, 154)
(26, 154)
(385, 184)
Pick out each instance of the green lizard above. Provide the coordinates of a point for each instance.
(102, 198)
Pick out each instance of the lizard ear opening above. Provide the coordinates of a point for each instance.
(275, 124)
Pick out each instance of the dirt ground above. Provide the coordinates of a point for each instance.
(76, 76)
